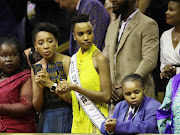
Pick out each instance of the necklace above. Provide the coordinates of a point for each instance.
(175, 39)
(176, 36)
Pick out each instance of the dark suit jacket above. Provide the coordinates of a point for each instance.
(145, 120)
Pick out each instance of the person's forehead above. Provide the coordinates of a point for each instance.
(131, 85)
(83, 24)
(65, 1)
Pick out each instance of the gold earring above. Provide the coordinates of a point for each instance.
(56, 46)
(36, 50)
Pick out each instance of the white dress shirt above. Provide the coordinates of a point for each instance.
(77, 7)
(134, 112)
(124, 24)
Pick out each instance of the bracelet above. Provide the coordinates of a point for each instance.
(110, 133)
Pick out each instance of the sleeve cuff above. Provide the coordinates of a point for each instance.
(177, 70)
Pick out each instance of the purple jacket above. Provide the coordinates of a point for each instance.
(100, 20)
(145, 120)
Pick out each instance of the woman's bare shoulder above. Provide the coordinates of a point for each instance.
(27, 51)
(99, 56)
(39, 62)
(63, 57)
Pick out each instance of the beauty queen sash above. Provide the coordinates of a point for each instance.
(91, 110)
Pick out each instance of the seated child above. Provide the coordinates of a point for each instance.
(136, 114)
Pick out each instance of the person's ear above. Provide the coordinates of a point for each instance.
(56, 44)
(144, 91)
(36, 50)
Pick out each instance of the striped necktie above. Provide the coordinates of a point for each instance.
(130, 116)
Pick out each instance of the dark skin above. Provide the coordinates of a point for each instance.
(116, 92)
(133, 94)
(102, 96)
(110, 125)
(168, 71)
(172, 18)
(9, 59)
(83, 34)
(45, 43)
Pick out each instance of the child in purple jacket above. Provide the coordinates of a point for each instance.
(136, 114)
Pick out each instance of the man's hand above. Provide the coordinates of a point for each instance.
(117, 93)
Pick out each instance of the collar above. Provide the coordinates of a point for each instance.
(131, 109)
(130, 17)
(134, 109)
(77, 7)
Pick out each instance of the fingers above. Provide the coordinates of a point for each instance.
(169, 74)
(109, 120)
(62, 88)
(165, 74)
(43, 76)
(167, 68)
(39, 81)
(42, 71)
(108, 129)
(115, 96)
(117, 93)
(110, 125)
(161, 75)
(40, 78)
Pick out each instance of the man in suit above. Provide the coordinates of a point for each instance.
(137, 114)
(131, 45)
(99, 18)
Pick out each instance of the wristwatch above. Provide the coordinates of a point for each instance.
(53, 87)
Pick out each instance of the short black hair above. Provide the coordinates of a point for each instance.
(45, 27)
(78, 19)
(11, 39)
(133, 77)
